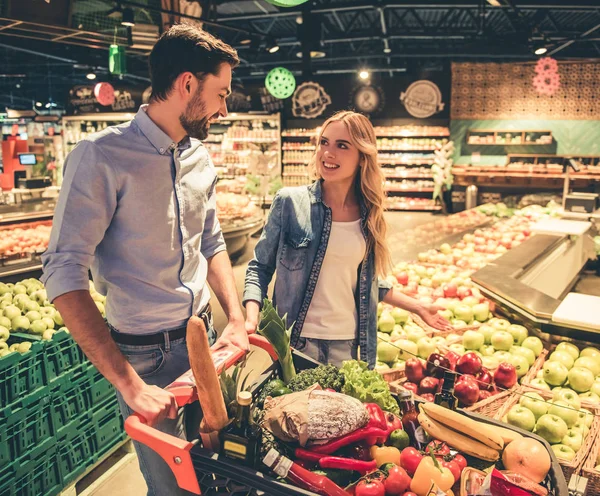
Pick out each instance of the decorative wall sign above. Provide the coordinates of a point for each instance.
(422, 99)
(286, 3)
(504, 91)
(280, 82)
(92, 99)
(104, 93)
(310, 100)
(368, 99)
(547, 79)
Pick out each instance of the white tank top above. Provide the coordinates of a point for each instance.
(332, 313)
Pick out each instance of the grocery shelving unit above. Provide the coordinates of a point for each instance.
(298, 148)
(508, 137)
(406, 154)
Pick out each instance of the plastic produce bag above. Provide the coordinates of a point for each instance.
(504, 483)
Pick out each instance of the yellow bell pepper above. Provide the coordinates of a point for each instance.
(385, 454)
(429, 472)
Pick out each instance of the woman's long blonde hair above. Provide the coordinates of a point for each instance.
(369, 183)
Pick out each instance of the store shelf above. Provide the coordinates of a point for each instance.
(407, 164)
(433, 208)
(408, 190)
(298, 149)
(493, 137)
(405, 149)
(409, 176)
(295, 174)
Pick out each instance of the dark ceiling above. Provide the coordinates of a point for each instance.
(381, 36)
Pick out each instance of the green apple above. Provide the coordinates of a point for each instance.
(563, 452)
(540, 384)
(48, 333)
(3, 346)
(585, 417)
(524, 352)
(573, 439)
(570, 348)
(386, 322)
(399, 314)
(581, 427)
(4, 333)
(590, 397)
(487, 350)
(471, 301)
(379, 308)
(568, 396)
(551, 427)
(386, 352)
(502, 340)
(19, 289)
(382, 336)
(580, 379)
(4, 289)
(588, 362)
(100, 307)
(48, 312)
(563, 357)
(458, 323)
(14, 347)
(394, 336)
(503, 356)
(594, 389)
(481, 311)
(408, 349)
(40, 296)
(487, 331)
(38, 327)
(20, 301)
(521, 417)
(534, 344)
(535, 403)
(490, 362)
(426, 347)
(20, 324)
(540, 374)
(555, 373)
(472, 340)
(499, 324)
(447, 314)
(11, 312)
(31, 306)
(520, 363)
(457, 348)
(565, 411)
(33, 315)
(463, 312)
(414, 333)
(591, 352)
(4, 304)
(518, 332)
(453, 338)
(49, 322)
(24, 347)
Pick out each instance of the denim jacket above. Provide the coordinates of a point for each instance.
(293, 243)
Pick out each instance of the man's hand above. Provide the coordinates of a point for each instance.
(234, 334)
(151, 402)
(429, 313)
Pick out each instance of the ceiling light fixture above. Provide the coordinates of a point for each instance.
(494, 3)
(39, 104)
(314, 54)
(363, 74)
(246, 41)
(272, 46)
(540, 50)
(128, 19)
(91, 76)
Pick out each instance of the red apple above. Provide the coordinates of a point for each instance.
(402, 278)
(484, 379)
(428, 385)
(505, 376)
(467, 377)
(463, 292)
(437, 364)
(411, 386)
(469, 363)
(484, 394)
(453, 359)
(466, 392)
(450, 290)
(428, 397)
(415, 370)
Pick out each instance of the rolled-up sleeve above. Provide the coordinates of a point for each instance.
(262, 267)
(85, 207)
(384, 288)
(212, 236)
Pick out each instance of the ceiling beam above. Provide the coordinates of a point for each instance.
(570, 42)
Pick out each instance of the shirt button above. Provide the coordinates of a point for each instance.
(162, 150)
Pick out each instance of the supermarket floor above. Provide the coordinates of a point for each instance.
(128, 479)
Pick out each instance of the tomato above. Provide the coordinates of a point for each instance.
(439, 448)
(409, 493)
(454, 468)
(397, 481)
(410, 459)
(461, 462)
(370, 488)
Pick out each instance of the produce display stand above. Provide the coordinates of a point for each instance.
(201, 471)
(238, 232)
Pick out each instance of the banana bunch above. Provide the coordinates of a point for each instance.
(474, 438)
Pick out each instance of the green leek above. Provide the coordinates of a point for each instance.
(273, 327)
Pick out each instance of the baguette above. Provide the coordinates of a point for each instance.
(457, 440)
(210, 395)
(483, 433)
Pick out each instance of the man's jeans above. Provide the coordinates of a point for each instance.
(159, 365)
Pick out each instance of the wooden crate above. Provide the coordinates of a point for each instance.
(588, 469)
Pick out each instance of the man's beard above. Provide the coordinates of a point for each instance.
(194, 127)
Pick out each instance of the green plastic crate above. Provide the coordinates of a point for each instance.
(107, 425)
(62, 355)
(21, 374)
(24, 425)
(37, 474)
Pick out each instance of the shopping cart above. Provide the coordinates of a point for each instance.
(202, 471)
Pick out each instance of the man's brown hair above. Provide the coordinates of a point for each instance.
(186, 48)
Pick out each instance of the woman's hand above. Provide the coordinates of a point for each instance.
(429, 313)
(252, 316)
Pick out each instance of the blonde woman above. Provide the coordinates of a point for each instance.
(327, 243)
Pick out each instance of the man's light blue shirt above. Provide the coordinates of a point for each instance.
(140, 211)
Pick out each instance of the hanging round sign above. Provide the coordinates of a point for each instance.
(104, 93)
(280, 82)
(286, 3)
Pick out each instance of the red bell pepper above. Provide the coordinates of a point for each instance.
(366, 433)
(348, 464)
(376, 416)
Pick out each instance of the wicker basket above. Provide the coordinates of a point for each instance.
(492, 405)
(593, 476)
(589, 444)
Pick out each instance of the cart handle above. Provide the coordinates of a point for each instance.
(173, 450)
